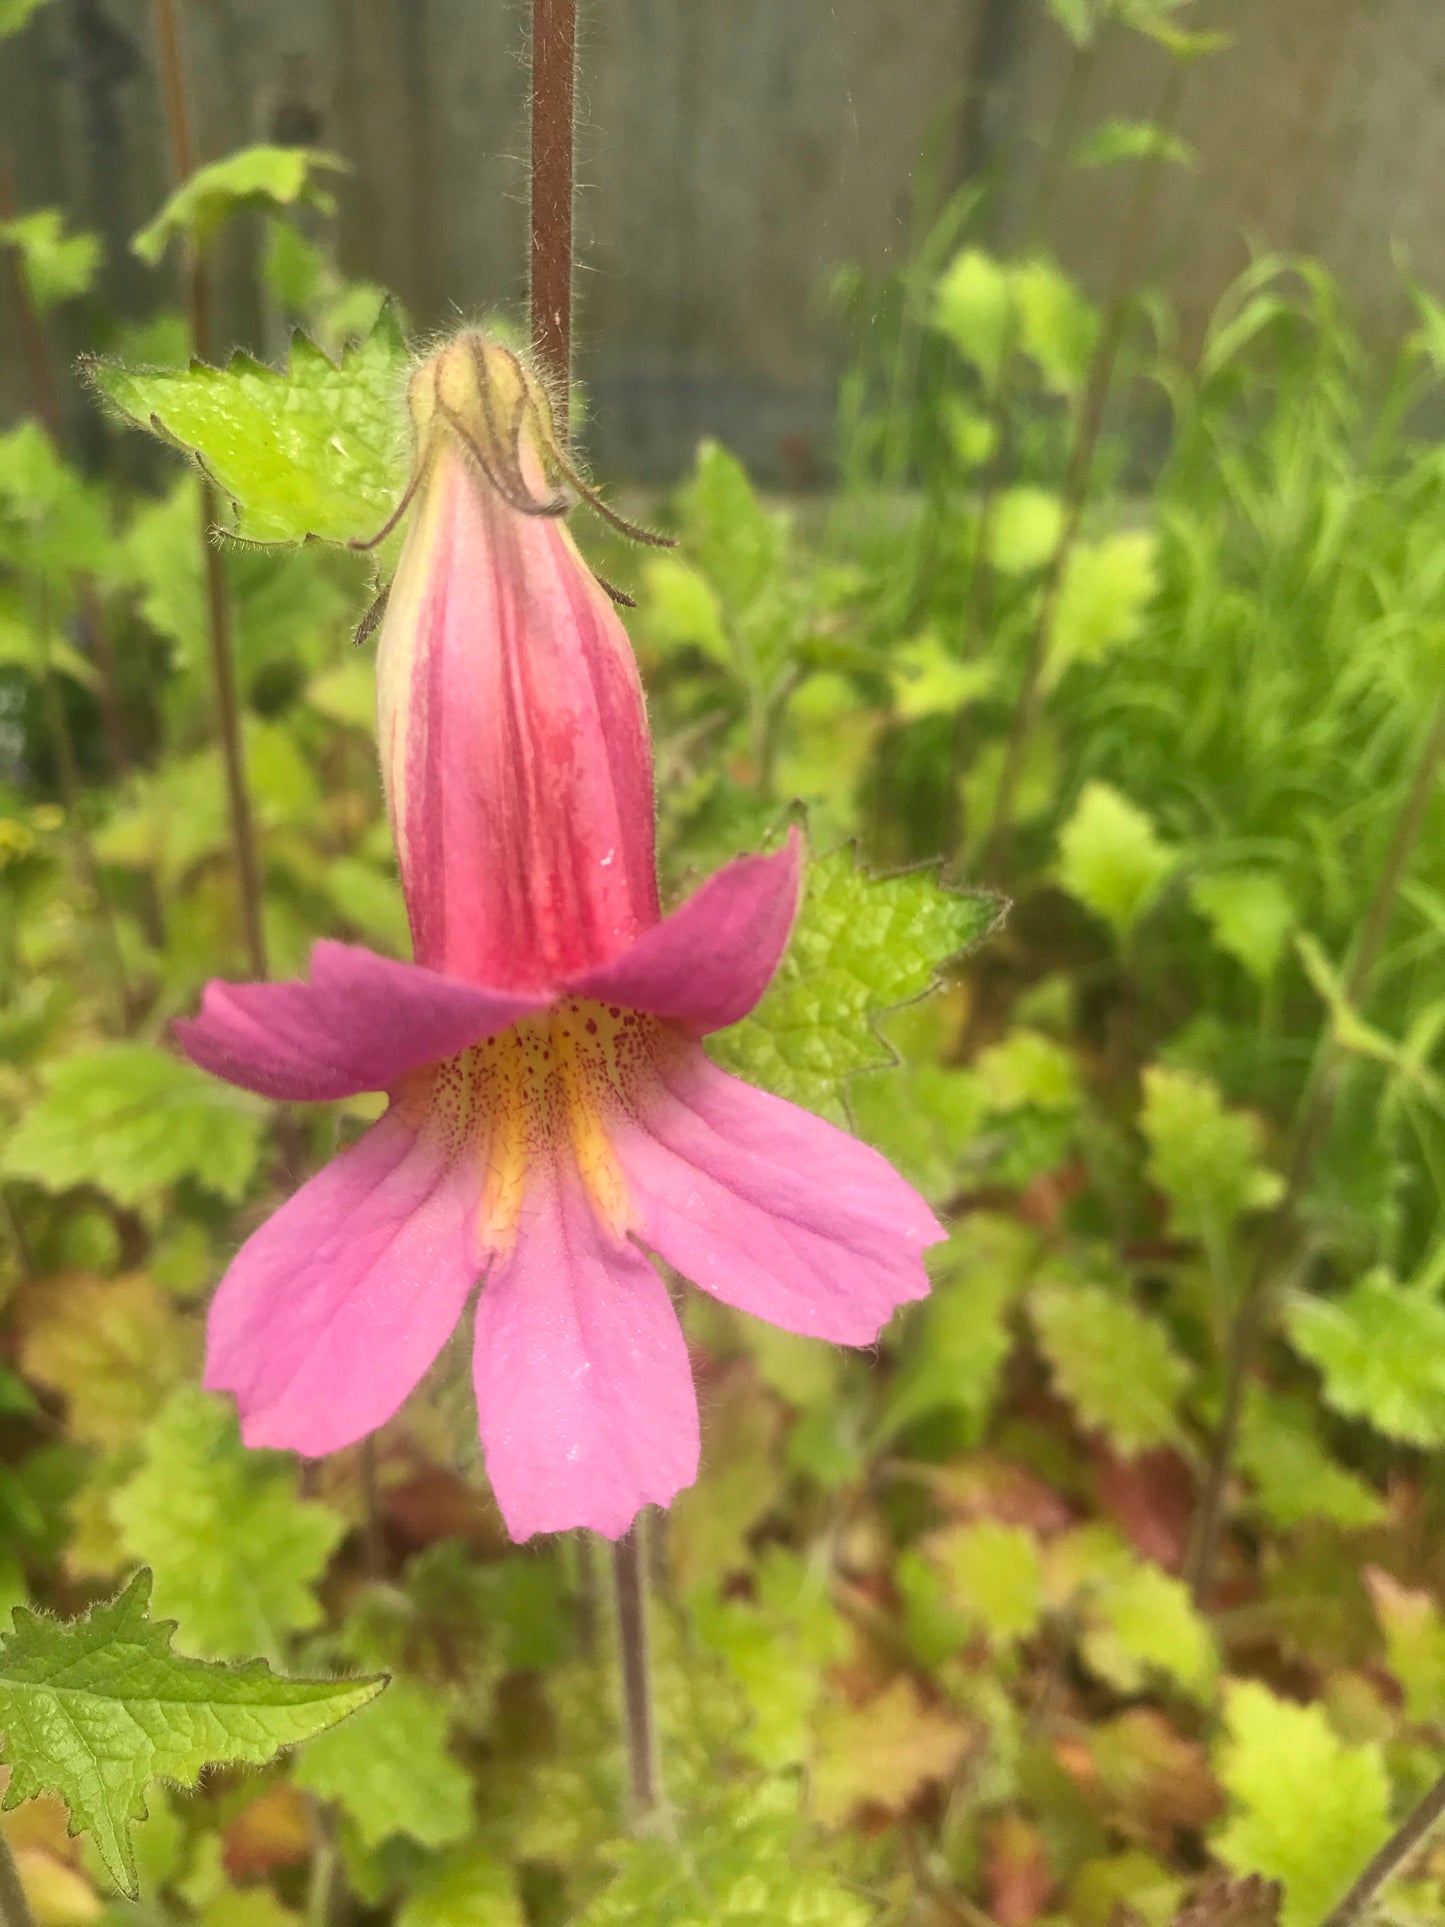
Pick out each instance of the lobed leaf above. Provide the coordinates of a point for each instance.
(264, 177)
(96, 1708)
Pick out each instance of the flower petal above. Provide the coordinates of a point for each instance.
(333, 1310)
(706, 965)
(363, 1023)
(584, 1391)
(513, 740)
(768, 1207)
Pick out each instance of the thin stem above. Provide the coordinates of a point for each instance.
(374, 1522)
(1390, 1859)
(554, 81)
(629, 1568)
(1315, 1111)
(197, 291)
(15, 1233)
(586, 1577)
(14, 1907)
(1138, 226)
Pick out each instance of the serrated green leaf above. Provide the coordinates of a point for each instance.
(1309, 1810)
(269, 178)
(134, 1120)
(1131, 140)
(57, 265)
(95, 1709)
(929, 680)
(1380, 1349)
(1057, 326)
(1251, 915)
(1107, 589)
(1204, 1158)
(317, 451)
(1293, 1475)
(737, 542)
(1026, 528)
(235, 1553)
(1139, 1622)
(992, 1575)
(1111, 858)
(973, 306)
(958, 1340)
(861, 946)
(390, 1772)
(1114, 1365)
(1414, 1630)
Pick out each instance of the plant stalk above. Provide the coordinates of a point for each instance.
(1313, 1118)
(1137, 229)
(629, 1571)
(1390, 1859)
(554, 84)
(197, 292)
(14, 1907)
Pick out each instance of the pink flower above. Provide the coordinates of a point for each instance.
(552, 1112)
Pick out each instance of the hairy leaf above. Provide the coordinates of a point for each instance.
(1381, 1351)
(96, 1708)
(860, 947)
(316, 451)
(390, 1772)
(1113, 1364)
(1204, 1158)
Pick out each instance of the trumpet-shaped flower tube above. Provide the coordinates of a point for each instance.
(553, 1116)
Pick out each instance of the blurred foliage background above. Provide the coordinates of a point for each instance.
(1117, 1567)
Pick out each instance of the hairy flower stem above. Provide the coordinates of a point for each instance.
(1137, 229)
(1313, 1119)
(40, 364)
(629, 1569)
(554, 82)
(1410, 1834)
(197, 289)
(14, 1907)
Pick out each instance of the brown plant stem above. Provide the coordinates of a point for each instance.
(554, 82)
(1390, 1859)
(629, 1570)
(15, 1233)
(197, 292)
(1137, 229)
(1313, 1118)
(40, 364)
(14, 1907)
(585, 1595)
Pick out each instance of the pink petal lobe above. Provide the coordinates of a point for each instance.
(705, 966)
(363, 1023)
(514, 741)
(333, 1310)
(584, 1391)
(768, 1207)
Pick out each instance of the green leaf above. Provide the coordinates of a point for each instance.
(96, 1708)
(1141, 1622)
(57, 265)
(929, 680)
(1077, 18)
(269, 178)
(1309, 1810)
(860, 947)
(1112, 859)
(1414, 1630)
(1131, 140)
(959, 1338)
(134, 1120)
(1106, 590)
(15, 13)
(738, 543)
(1057, 327)
(468, 1888)
(317, 451)
(1251, 915)
(1293, 1475)
(390, 1772)
(1026, 528)
(1380, 1349)
(1204, 1158)
(973, 307)
(1114, 1365)
(993, 1575)
(236, 1554)
(682, 610)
